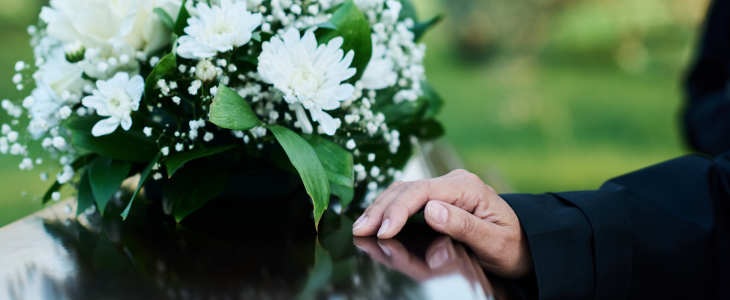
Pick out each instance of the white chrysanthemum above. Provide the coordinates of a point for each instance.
(217, 29)
(115, 98)
(308, 75)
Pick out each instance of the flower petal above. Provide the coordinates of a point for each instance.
(303, 119)
(328, 124)
(97, 103)
(291, 37)
(344, 92)
(126, 123)
(135, 88)
(105, 127)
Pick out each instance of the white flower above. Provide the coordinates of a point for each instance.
(208, 137)
(96, 22)
(165, 151)
(116, 99)
(371, 157)
(59, 142)
(19, 66)
(17, 78)
(56, 196)
(308, 75)
(379, 73)
(65, 112)
(194, 87)
(206, 70)
(12, 136)
(213, 91)
(176, 100)
(147, 131)
(179, 147)
(217, 29)
(375, 171)
(350, 144)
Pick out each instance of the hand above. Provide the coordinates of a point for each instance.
(443, 258)
(460, 205)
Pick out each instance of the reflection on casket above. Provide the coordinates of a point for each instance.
(55, 255)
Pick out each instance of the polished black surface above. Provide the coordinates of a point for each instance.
(231, 250)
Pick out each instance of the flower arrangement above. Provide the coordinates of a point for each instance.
(150, 87)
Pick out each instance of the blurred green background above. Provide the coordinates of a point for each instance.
(542, 95)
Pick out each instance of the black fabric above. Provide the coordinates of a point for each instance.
(707, 117)
(658, 233)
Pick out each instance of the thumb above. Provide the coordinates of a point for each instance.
(458, 223)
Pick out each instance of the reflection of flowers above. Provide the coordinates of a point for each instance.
(309, 75)
(115, 98)
(218, 29)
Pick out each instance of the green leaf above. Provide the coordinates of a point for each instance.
(420, 28)
(310, 169)
(165, 18)
(337, 162)
(106, 176)
(320, 274)
(176, 160)
(142, 181)
(345, 193)
(429, 129)
(76, 165)
(192, 187)
(408, 11)
(166, 64)
(182, 20)
(229, 110)
(326, 25)
(355, 30)
(432, 98)
(131, 145)
(86, 196)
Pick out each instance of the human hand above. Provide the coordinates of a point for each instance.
(443, 259)
(460, 205)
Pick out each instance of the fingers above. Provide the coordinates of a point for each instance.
(390, 211)
(459, 224)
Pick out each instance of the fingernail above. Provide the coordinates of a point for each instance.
(360, 222)
(384, 227)
(438, 258)
(385, 249)
(437, 212)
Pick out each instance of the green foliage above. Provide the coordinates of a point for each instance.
(229, 110)
(166, 64)
(85, 197)
(355, 30)
(419, 29)
(310, 169)
(76, 165)
(432, 99)
(128, 145)
(176, 160)
(106, 176)
(165, 18)
(142, 180)
(337, 162)
(192, 187)
(345, 193)
(182, 20)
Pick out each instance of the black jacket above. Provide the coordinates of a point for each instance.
(658, 233)
(707, 117)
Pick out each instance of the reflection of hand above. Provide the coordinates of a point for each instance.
(443, 258)
(460, 205)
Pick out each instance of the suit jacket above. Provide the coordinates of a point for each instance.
(659, 233)
(707, 117)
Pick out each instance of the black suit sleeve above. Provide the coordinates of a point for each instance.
(707, 116)
(656, 233)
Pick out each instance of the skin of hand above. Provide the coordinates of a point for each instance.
(443, 257)
(461, 206)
